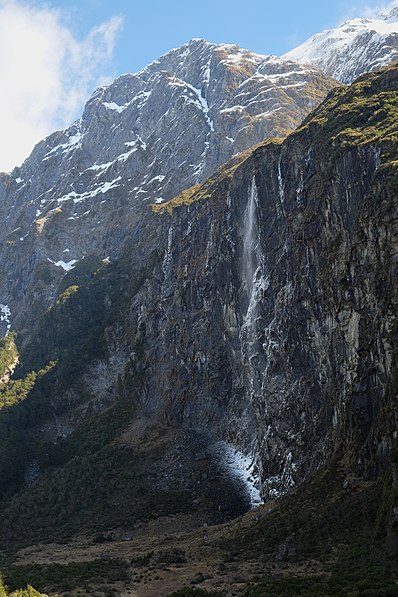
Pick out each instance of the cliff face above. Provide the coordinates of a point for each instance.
(144, 138)
(256, 311)
(279, 296)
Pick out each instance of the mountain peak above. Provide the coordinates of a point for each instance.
(356, 46)
(198, 41)
(143, 139)
(390, 14)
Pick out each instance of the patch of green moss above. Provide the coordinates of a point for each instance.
(62, 298)
(8, 353)
(366, 113)
(40, 223)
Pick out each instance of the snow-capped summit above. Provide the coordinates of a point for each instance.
(391, 15)
(357, 46)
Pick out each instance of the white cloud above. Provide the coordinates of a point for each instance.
(380, 9)
(362, 9)
(46, 74)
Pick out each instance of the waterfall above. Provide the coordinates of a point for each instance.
(255, 284)
(253, 276)
(167, 267)
(281, 188)
(250, 239)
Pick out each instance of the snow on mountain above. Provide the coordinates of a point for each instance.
(357, 46)
(143, 139)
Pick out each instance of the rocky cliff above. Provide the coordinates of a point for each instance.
(244, 337)
(144, 138)
(278, 295)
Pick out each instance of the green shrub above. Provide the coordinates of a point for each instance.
(8, 353)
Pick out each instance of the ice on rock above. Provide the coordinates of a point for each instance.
(243, 468)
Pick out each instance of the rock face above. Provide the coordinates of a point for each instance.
(146, 137)
(254, 312)
(283, 317)
(357, 46)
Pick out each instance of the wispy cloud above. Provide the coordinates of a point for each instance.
(46, 73)
(360, 10)
(382, 8)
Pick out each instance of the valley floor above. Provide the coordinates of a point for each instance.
(161, 557)
(325, 538)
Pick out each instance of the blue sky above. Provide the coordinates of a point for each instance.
(55, 53)
(152, 27)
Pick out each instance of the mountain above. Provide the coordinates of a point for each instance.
(241, 347)
(355, 47)
(146, 137)
(196, 326)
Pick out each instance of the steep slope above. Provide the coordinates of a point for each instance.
(267, 315)
(146, 137)
(258, 312)
(355, 47)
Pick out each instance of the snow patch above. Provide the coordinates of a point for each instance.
(206, 73)
(159, 177)
(5, 314)
(354, 45)
(114, 106)
(199, 100)
(67, 266)
(142, 97)
(243, 468)
(236, 55)
(77, 198)
(73, 143)
(101, 166)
